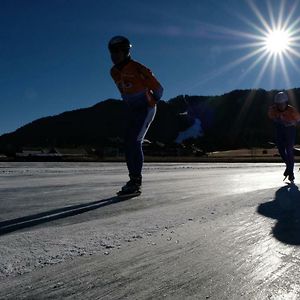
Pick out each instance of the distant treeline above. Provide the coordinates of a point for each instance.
(234, 120)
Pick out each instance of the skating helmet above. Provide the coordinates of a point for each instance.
(281, 97)
(119, 42)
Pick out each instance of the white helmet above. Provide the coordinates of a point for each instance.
(281, 97)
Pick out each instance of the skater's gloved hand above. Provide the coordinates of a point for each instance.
(154, 96)
(157, 93)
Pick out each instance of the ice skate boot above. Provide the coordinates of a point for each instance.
(131, 188)
(285, 174)
(291, 178)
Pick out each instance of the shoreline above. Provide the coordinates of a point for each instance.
(162, 159)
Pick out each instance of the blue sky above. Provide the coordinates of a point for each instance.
(54, 58)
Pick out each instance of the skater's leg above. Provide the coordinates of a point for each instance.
(290, 142)
(281, 146)
(129, 154)
(136, 130)
(290, 159)
(133, 146)
(132, 187)
(134, 159)
(135, 137)
(139, 157)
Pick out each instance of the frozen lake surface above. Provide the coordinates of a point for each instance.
(198, 231)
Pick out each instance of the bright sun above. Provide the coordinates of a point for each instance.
(273, 43)
(277, 41)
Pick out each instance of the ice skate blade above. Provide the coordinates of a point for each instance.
(121, 195)
(290, 183)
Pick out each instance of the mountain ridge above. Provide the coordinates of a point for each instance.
(233, 120)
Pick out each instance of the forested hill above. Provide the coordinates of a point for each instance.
(233, 120)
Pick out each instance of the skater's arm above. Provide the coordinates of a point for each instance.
(117, 78)
(272, 114)
(294, 117)
(153, 85)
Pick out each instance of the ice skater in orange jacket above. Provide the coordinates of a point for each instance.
(285, 118)
(141, 91)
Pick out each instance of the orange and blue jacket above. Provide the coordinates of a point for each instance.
(136, 83)
(287, 118)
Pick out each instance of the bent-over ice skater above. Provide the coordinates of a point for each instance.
(285, 118)
(141, 91)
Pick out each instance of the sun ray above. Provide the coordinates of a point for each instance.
(280, 15)
(225, 68)
(284, 70)
(238, 33)
(259, 15)
(240, 118)
(273, 69)
(293, 25)
(296, 53)
(242, 59)
(292, 98)
(271, 14)
(263, 69)
(292, 62)
(294, 40)
(246, 20)
(253, 25)
(244, 46)
(287, 21)
(270, 46)
(254, 64)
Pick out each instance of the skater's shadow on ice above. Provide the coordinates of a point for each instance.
(55, 214)
(286, 209)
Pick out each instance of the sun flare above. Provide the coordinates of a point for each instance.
(270, 46)
(277, 41)
(273, 41)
